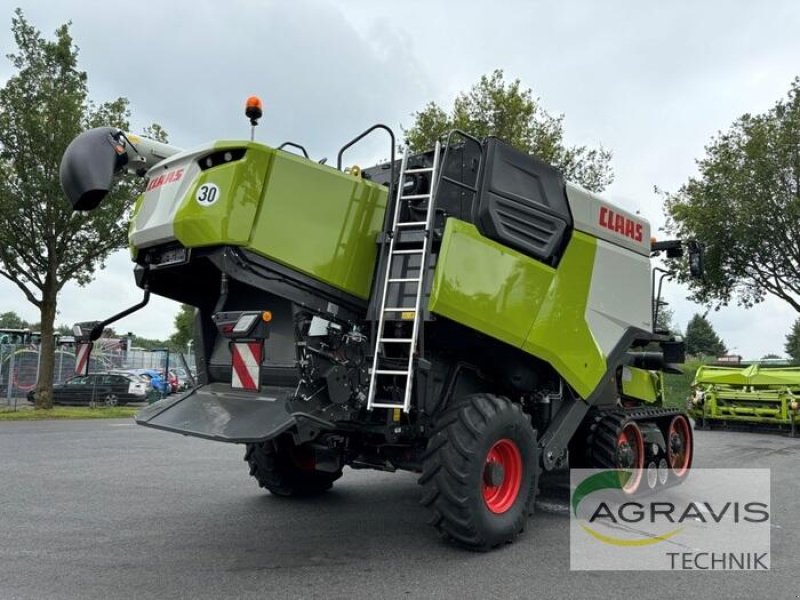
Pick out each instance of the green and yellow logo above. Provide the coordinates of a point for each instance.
(611, 480)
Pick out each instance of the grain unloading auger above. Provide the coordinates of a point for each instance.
(462, 313)
(749, 396)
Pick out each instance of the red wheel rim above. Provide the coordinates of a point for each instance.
(630, 455)
(679, 445)
(502, 476)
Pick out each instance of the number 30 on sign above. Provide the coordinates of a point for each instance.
(207, 194)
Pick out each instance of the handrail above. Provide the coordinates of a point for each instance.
(362, 136)
(293, 145)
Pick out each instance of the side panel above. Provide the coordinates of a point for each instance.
(641, 384)
(560, 334)
(516, 299)
(229, 219)
(619, 296)
(598, 218)
(487, 286)
(320, 222)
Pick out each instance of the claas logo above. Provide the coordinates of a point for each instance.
(157, 182)
(620, 224)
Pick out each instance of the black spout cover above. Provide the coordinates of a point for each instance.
(88, 167)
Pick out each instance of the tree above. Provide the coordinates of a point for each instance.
(745, 205)
(11, 320)
(43, 106)
(702, 339)
(792, 346)
(147, 343)
(506, 110)
(771, 356)
(184, 323)
(664, 320)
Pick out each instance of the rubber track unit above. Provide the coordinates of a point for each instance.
(276, 472)
(607, 425)
(453, 465)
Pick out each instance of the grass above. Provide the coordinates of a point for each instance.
(677, 387)
(25, 413)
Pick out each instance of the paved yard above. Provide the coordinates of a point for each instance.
(107, 509)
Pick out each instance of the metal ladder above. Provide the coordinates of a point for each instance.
(421, 248)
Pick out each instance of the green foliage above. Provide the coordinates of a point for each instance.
(68, 412)
(771, 356)
(42, 108)
(701, 339)
(506, 110)
(11, 320)
(678, 387)
(664, 320)
(792, 346)
(745, 205)
(44, 105)
(184, 323)
(147, 343)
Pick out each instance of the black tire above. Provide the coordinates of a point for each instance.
(275, 466)
(454, 472)
(111, 400)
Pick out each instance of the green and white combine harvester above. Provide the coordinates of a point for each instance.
(755, 395)
(462, 313)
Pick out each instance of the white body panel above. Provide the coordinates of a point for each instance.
(598, 218)
(144, 153)
(619, 296)
(168, 184)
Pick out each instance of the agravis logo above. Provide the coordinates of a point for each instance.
(717, 519)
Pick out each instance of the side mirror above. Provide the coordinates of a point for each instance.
(696, 259)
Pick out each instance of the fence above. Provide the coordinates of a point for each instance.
(20, 365)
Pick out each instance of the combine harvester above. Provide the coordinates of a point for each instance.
(462, 313)
(755, 395)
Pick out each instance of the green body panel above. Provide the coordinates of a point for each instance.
(748, 395)
(509, 296)
(321, 222)
(642, 384)
(229, 221)
(309, 217)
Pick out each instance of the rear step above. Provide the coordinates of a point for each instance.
(216, 411)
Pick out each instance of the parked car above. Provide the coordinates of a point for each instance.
(155, 377)
(111, 389)
(184, 380)
(174, 381)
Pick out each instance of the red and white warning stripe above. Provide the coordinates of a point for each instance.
(246, 364)
(82, 352)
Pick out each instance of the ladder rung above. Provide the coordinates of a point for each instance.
(401, 309)
(390, 372)
(415, 197)
(420, 170)
(405, 280)
(412, 224)
(414, 251)
(377, 404)
(397, 340)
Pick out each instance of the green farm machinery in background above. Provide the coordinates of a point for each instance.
(753, 395)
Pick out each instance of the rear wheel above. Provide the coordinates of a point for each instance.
(618, 443)
(287, 470)
(111, 400)
(679, 446)
(479, 472)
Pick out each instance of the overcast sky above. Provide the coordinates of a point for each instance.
(653, 82)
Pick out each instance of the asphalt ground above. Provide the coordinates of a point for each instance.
(107, 509)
